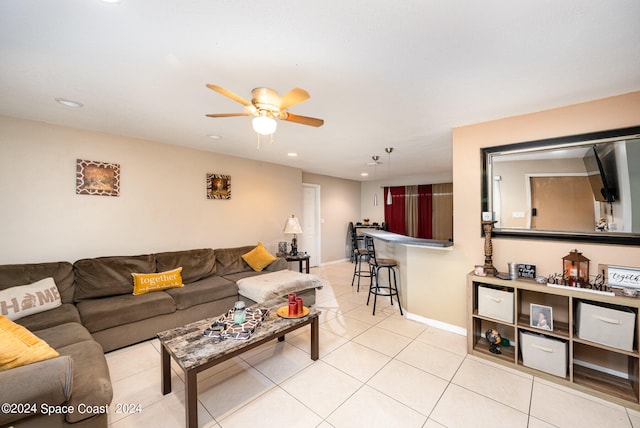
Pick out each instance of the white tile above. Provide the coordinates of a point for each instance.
(321, 387)
(512, 389)
(168, 413)
(383, 341)
(132, 359)
(370, 408)
(226, 392)
(280, 362)
(462, 408)
(327, 340)
(272, 409)
(364, 313)
(561, 407)
(439, 338)
(357, 360)
(409, 385)
(344, 326)
(405, 327)
(433, 360)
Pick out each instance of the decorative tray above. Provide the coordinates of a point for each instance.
(283, 312)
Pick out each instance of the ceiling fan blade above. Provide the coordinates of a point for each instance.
(229, 114)
(304, 120)
(293, 97)
(229, 94)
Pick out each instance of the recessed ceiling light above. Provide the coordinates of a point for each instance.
(364, 174)
(68, 103)
(111, 1)
(292, 155)
(214, 137)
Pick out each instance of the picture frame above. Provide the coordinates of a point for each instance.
(218, 186)
(97, 178)
(541, 317)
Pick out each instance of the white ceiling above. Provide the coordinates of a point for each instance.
(381, 74)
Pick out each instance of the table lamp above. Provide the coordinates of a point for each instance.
(292, 226)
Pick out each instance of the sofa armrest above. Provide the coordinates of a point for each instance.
(47, 381)
(278, 264)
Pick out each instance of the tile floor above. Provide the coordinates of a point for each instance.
(382, 371)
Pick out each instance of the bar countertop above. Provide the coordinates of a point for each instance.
(396, 238)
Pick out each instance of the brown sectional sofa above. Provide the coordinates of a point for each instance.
(99, 313)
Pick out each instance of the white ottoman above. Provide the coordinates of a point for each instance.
(272, 285)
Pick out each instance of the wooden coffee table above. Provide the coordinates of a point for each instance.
(195, 352)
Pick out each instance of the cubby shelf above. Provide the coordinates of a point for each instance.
(603, 370)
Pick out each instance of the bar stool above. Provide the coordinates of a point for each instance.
(375, 264)
(358, 254)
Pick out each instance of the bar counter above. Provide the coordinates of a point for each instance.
(395, 238)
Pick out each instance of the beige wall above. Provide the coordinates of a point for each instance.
(609, 113)
(339, 204)
(162, 204)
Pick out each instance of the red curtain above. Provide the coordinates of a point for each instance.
(425, 204)
(394, 214)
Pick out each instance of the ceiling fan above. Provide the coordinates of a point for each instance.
(266, 106)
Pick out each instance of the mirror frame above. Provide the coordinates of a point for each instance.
(567, 141)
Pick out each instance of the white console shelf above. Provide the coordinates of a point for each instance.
(564, 354)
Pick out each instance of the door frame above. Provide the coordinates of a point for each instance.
(317, 251)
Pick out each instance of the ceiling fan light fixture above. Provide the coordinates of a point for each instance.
(264, 125)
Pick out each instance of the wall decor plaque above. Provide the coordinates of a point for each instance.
(218, 186)
(97, 178)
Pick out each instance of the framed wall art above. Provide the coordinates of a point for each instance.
(541, 317)
(97, 178)
(218, 186)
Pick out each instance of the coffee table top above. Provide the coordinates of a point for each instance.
(190, 348)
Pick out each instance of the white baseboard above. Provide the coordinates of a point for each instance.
(438, 324)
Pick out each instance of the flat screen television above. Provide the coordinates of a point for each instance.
(601, 174)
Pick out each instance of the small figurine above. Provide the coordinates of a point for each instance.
(494, 339)
(602, 225)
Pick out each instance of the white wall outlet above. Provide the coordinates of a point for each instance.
(487, 216)
(517, 214)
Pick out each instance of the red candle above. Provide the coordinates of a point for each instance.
(299, 305)
(292, 297)
(293, 309)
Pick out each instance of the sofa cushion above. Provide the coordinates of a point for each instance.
(91, 382)
(61, 272)
(148, 282)
(258, 258)
(203, 291)
(20, 346)
(229, 260)
(109, 276)
(100, 314)
(196, 264)
(64, 334)
(22, 300)
(60, 315)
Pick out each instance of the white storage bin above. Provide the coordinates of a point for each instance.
(496, 304)
(544, 353)
(608, 326)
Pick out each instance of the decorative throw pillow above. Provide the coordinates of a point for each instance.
(147, 282)
(258, 258)
(22, 300)
(21, 347)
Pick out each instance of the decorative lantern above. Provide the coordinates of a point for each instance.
(575, 269)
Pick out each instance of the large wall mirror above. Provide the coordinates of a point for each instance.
(579, 188)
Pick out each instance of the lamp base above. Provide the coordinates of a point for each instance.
(294, 246)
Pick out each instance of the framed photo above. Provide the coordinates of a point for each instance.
(97, 178)
(541, 317)
(218, 186)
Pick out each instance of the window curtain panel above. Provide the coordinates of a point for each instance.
(411, 210)
(394, 214)
(425, 211)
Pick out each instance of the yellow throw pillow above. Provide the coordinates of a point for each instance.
(258, 258)
(19, 347)
(147, 282)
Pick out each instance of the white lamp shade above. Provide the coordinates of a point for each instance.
(264, 125)
(292, 226)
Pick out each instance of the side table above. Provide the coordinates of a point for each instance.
(299, 258)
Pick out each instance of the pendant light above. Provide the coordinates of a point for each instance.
(375, 169)
(389, 150)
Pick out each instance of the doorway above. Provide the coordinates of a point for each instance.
(310, 239)
(572, 193)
